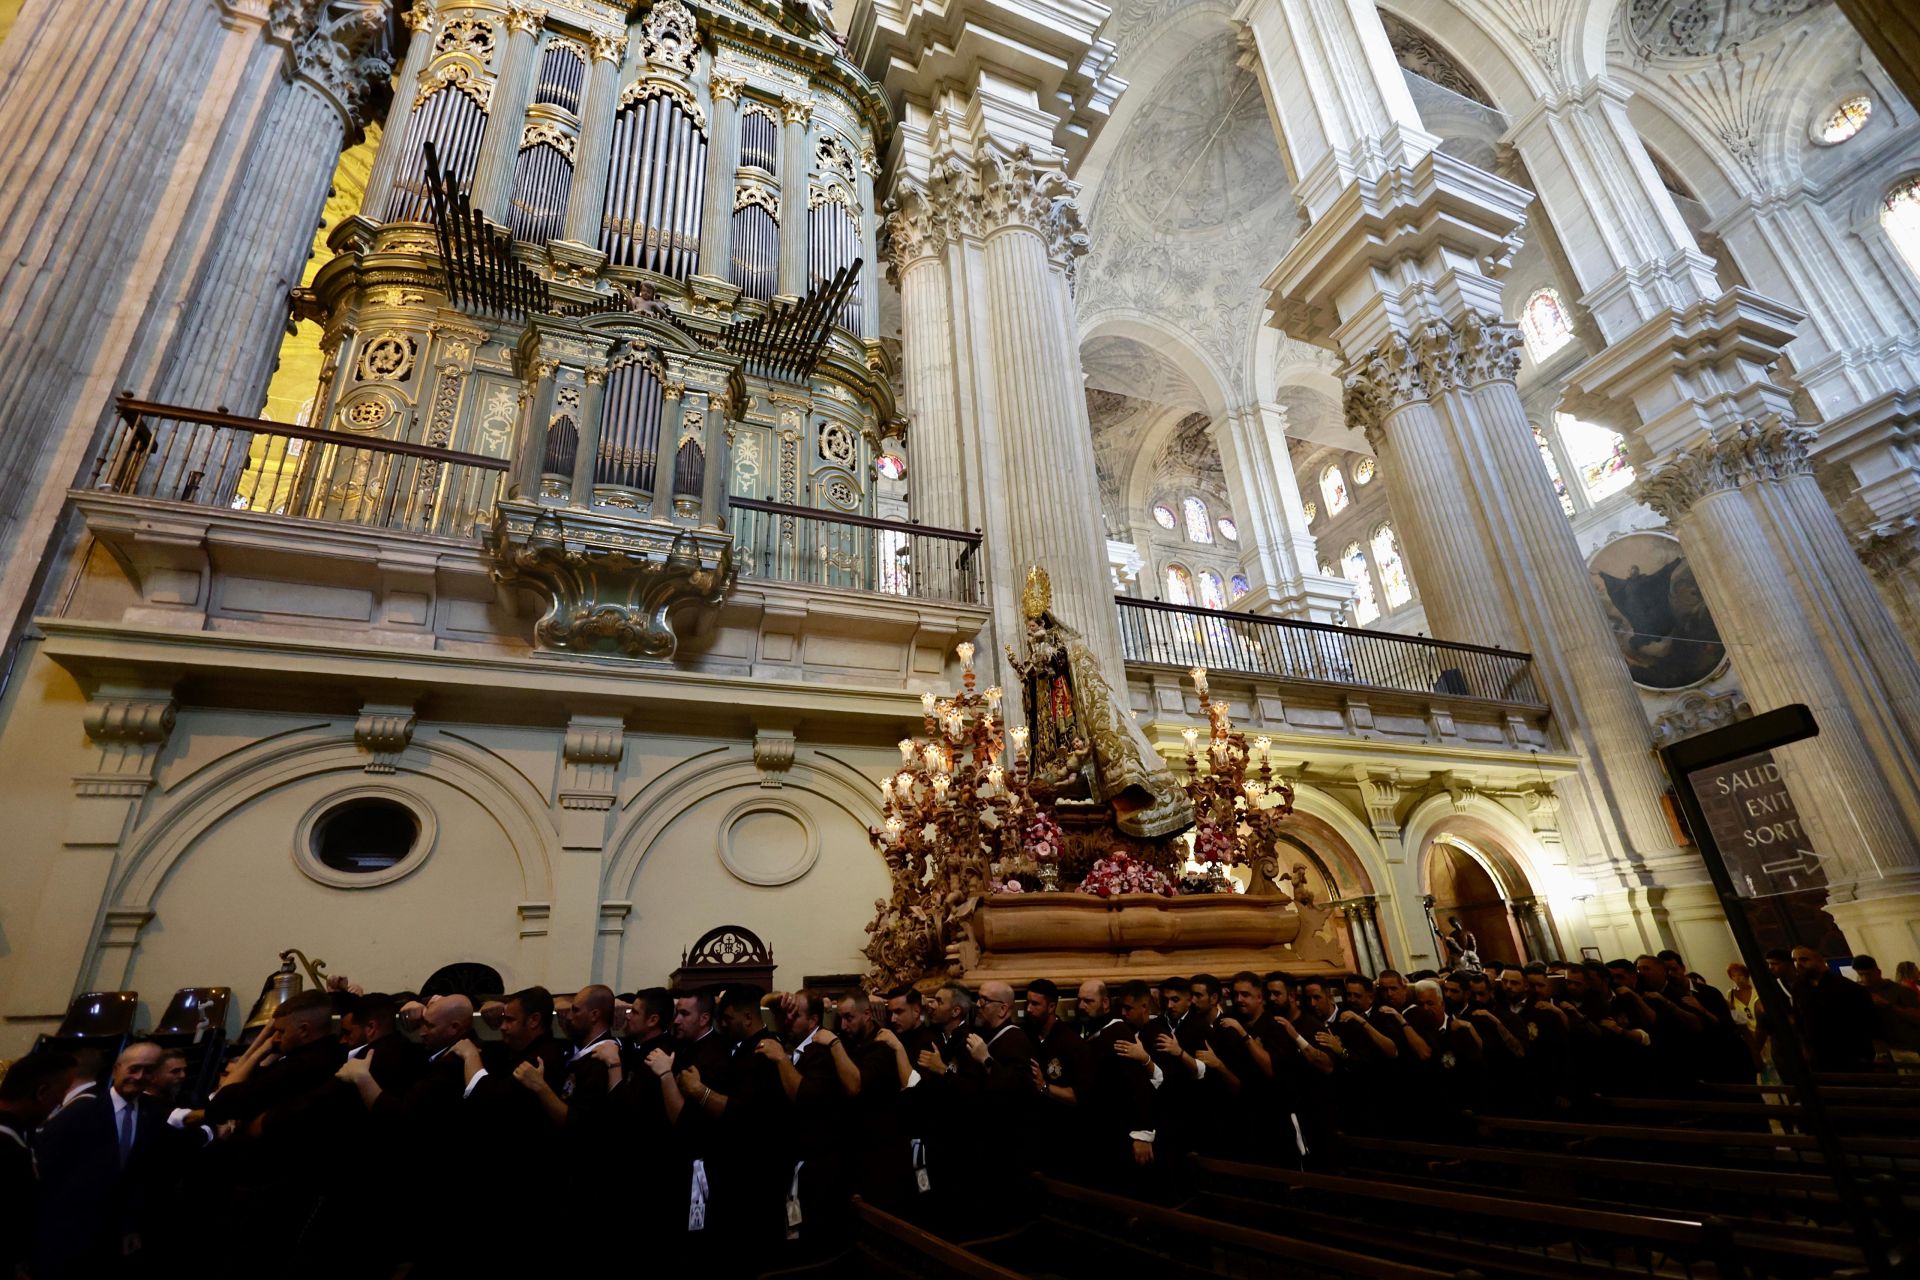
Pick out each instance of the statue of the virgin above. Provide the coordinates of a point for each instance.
(1082, 741)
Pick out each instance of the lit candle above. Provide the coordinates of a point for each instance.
(902, 784)
(926, 703)
(1192, 735)
(965, 650)
(993, 697)
(994, 777)
(906, 750)
(1263, 745)
(940, 784)
(1020, 739)
(886, 787)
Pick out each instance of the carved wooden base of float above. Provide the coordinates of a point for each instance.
(1070, 937)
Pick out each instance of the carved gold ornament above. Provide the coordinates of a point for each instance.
(1038, 596)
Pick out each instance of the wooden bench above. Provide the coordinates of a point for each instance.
(1844, 1094)
(1137, 1217)
(1785, 1112)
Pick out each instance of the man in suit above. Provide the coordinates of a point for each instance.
(370, 1027)
(1117, 1102)
(31, 1090)
(882, 1156)
(819, 1075)
(698, 1054)
(104, 1166)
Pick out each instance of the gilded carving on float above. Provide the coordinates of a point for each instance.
(386, 358)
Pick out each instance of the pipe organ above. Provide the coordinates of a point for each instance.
(655, 158)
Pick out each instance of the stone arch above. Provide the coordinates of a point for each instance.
(1502, 845)
(669, 871)
(1513, 80)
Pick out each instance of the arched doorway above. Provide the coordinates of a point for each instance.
(1488, 893)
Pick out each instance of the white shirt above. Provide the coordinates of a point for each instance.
(802, 1046)
(120, 1107)
(478, 1076)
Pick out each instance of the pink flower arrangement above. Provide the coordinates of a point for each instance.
(1122, 873)
(1211, 842)
(1043, 839)
(1010, 885)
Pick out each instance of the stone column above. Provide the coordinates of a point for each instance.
(1535, 933)
(666, 454)
(1891, 552)
(539, 397)
(723, 161)
(421, 22)
(1730, 505)
(1718, 451)
(122, 127)
(507, 112)
(916, 247)
(588, 195)
(1280, 551)
(794, 115)
(869, 169)
(586, 456)
(1363, 929)
(224, 347)
(713, 490)
(1430, 372)
(1046, 463)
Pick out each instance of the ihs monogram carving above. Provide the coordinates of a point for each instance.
(1769, 449)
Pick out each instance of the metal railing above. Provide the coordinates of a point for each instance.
(206, 459)
(1284, 649)
(781, 543)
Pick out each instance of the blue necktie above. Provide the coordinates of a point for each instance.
(126, 1134)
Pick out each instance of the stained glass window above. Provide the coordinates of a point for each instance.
(1229, 530)
(1553, 472)
(1353, 567)
(1333, 489)
(1849, 118)
(1599, 456)
(1199, 524)
(1363, 471)
(890, 466)
(1213, 592)
(1239, 586)
(1179, 585)
(1544, 324)
(1901, 218)
(1393, 573)
(1163, 516)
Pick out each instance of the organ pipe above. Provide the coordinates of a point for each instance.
(562, 78)
(756, 251)
(759, 139)
(453, 124)
(629, 428)
(833, 242)
(541, 177)
(655, 187)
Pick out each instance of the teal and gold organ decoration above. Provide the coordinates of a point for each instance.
(636, 191)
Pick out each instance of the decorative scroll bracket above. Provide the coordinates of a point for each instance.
(613, 587)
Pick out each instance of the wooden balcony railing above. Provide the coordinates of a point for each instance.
(203, 459)
(818, 548)
(1283, 649)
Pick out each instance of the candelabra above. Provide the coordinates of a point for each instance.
(952, 813)
(1238, 804)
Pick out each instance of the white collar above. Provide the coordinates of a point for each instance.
(802, 1046)
(120, 1104)
(587, 1048)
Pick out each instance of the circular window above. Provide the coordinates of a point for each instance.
(363, 837)
(1163, 516)
(1363, 471)
(1229, 530)
(1845, 120)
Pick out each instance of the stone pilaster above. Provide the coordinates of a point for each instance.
(512, 89)
(719, 460)
(588, 194)
(794, 116)
(723, 160)
(588, 786)
(420, 20)
(1891, 552)
(869, 169)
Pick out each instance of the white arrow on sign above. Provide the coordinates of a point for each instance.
(1803, 861)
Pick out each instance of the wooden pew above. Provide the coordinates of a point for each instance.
(1804, 1147)
(1785, 1112)
(1521, 1237)
(1842, 1094)
(1100, 1218)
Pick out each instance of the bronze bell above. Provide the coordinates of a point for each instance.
(281, 985)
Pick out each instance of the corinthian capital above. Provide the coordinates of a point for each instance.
(1020, 191)
(1770, 448)
(419, 19)
(1889, 547)
(607, 48)
(724, 86)
(796, 110)
(527, 19)
(913, 228)
(347, 59)
(1390, 375)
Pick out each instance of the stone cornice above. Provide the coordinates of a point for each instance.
(1767, 449)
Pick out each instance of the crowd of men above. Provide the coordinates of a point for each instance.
(360, 1131)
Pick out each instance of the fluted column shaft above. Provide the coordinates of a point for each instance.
(230, 333)
(723, 160)
(592, 153)
(713, 488)
(936, 488)
(793, 196)
(507, 113)
(421, 22)
(666, 456)
(869, 251)
(1048, 470)
(1764, 602)
(586, 456)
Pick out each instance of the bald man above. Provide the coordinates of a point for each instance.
(287, 1071)
(104, 1162)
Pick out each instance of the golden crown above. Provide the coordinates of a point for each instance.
(1038, 597)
